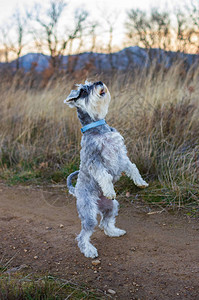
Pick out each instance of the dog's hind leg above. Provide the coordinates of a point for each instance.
(109, 210)
(88, 216)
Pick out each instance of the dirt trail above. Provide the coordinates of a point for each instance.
(157, 259)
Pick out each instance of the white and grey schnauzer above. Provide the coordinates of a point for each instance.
(103, 158)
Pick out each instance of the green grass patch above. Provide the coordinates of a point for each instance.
(38, 174)
(21, 286)
(168, 197)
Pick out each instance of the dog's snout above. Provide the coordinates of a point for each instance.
(99, 83)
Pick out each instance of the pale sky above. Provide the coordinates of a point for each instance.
(7, 7)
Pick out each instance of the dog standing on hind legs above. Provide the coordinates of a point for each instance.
(103, 157)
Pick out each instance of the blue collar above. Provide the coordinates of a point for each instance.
(92, 125)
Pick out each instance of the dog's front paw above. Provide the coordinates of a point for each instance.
(141, 183)
(143, 186)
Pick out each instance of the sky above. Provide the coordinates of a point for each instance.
(7, 7)
(113, 9)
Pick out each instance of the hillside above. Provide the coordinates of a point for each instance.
(127, 58)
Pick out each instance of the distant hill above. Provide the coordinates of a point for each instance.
(125, 59)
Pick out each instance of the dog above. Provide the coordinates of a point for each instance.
(103, 158)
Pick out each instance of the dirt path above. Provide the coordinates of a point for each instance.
(157, 259)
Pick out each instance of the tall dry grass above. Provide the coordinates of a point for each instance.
(157, 112)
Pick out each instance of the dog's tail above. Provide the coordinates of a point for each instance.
(69, 182)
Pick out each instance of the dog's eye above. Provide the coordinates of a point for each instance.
(83, 94)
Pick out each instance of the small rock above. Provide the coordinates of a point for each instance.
(96, 262)
(135, 284)
(128, 194)
(35, 257)
(48, 228)
(61, 225)
(133, 249)
(112, 292)
(25, 250)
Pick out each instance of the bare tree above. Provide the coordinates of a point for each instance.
(156, 30)
(18, 44)
(109, 21)
(12, 37)
(48, 33)
(138, 27)
(194, 20)
(109, 24)
(78, 31)
(182, 31)
(160, 34)
(77, 34)
(149, 31)
(55, 41)
(187, 33)
(5, 42)
(92, 33)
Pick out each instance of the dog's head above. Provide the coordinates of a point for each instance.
(93, 98)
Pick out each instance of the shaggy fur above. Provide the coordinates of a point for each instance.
(103, 158)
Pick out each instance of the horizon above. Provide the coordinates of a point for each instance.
(100, 62)
(106, 53)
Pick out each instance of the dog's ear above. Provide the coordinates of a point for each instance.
(73, 96)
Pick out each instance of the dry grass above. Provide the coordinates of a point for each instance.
(156, 111)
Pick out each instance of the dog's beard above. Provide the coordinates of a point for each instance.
(98, 103)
